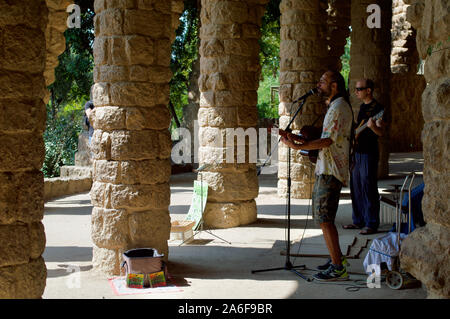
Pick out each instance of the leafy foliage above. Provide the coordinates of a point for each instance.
(61, 137)
(184, 54)
(69, 93)
(270, 60)
(345, 59)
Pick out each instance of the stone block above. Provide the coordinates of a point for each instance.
(231, 187)
(139, 145)
(227, 215)
(109, 22)
(156, 118)
(435, 100)
(217, 82)
(15, 191)
(14, 57)
(22, 115)
(106, 261)
(148, 23)
(242, 47)
(107, 171)
(37, 239)
(100, 94)
(60, 186)
(17, 85)
(424, 254)
(220, 31)
(111, 73)
(228, 12)
(110, 118)
(247, 116)
(109, 228)
(162, 52)
(151, 229)
(206, 98)
(101, 145)
(25, 281)
(145, 172)
(230, 98)
(140, 50)
(218, 117)
(211, 48)
(21, 151)
(133, 94)
(14, 245)
(243, 81)
(139, 196)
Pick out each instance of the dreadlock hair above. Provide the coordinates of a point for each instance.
(339, 79)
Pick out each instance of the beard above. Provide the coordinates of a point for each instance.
(325, 94)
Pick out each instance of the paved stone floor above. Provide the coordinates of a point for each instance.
(210, 268)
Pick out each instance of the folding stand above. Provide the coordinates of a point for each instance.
(201, 222)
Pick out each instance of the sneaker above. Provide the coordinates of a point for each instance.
(332, 274)
(328, 264)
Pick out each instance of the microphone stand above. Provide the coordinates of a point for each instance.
(288, 265)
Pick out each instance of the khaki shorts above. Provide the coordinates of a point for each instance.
(325, 198)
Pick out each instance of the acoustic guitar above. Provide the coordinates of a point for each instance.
(307, 133)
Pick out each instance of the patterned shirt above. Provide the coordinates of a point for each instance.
(334, 160)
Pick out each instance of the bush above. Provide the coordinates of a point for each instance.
(61, 136)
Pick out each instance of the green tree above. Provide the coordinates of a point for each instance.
(270, 60)
(184, 54)
(69, 92)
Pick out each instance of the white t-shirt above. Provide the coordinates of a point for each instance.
(334, 160)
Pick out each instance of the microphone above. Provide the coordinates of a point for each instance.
(310, 92)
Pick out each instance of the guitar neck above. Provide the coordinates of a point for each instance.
(364, 126)
(361, 128)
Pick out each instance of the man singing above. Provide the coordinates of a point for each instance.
(332, 168)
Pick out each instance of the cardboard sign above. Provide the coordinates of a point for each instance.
(135, 281)
(157, 279)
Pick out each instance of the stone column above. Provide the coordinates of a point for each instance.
(131, 143)
(370, 58)
(406, 85)
(22, 123)
(424, 252)
(229, 79)
(338, 30)
(304, 58)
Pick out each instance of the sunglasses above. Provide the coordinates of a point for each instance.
(360, 89)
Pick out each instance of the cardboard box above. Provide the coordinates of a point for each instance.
(181, 229)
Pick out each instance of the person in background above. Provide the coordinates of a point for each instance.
(364, 176)
(88, 107)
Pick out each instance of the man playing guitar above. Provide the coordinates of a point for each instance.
(363, 179)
